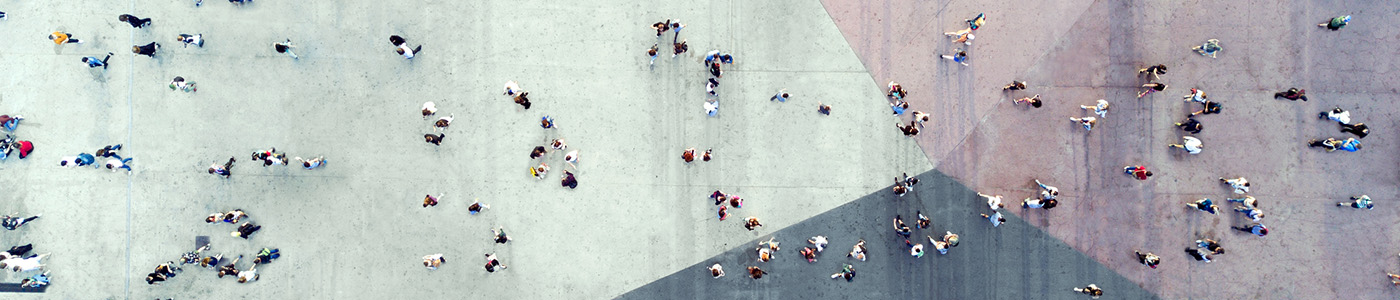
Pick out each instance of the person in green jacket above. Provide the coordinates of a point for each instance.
(1336, 23)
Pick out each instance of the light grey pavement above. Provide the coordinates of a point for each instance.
(1074, 52)
(355, 228)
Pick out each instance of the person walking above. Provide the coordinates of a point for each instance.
(1191, 144)
(1087, 122)
(1210, 107)
(136, 22)
(1204, 205)
(756, 273)
(493, 264)
(781, 96)
(1196, 95)
(823, 109)
(119, 163)
(995, 218)
(858, 250)
(993, 202)
(285, 48)
(1014, 86)
(847, 271)
(436, 140)
(1363, 201)
(1254, 214)
(1092, 290)
(93, 62)
(1033, 101)
(1100, 108)
(1359, 129)
(1152, 87)
(652, 53)
(679, 48)
(1210, 48)
(1153, 72)
(148, 50)
(751, 223)
(429, 200)
(246, 230)
(312, 163)
(476, 207)
(59, 38)
(1246, 201)
(1148, 259)
(13, 221)
(1294, 94)
(1190, 125)
(1255, 229)
(1336, 114)
(402, 47)
(499, 235)
(1240, 185)
(222, 170)
(1336, 23)
(1139, 172)
(191, 39)
(433, 261)
(180, 84)
(716, 270)
(959, 56)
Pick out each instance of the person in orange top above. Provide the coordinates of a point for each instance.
(59, 38)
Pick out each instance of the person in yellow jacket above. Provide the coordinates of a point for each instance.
(59, 38)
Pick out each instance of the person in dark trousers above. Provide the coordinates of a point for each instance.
(1190, 125)
(285, 48)
(136, 22)
(1256, 229)
(1154, 72)
(523, 99)
(17, 251)
(1294, 94)
(434, 139)
(1359, 129)
(93, 62)
(222, 170)
(147, 50)
(245, 230)
(13, 223)
(568, 180)
(109, 151)
(402, 47)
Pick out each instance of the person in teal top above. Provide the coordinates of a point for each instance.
(1336, 23)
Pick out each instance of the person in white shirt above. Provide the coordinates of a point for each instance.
(1240, 185)
(191, 39)
(995, 218)
(994, 202)
(1101, 108)
(250, 275)
(716, 270)
(571, 158)
(114, 164)
(429, 108)
(443, 122)
(1336, 114)
(1196, 95)
(711, 107)
(17, 264)
(1191, 144)
(1087, 122)
(1047, 192)
(403, 48)
(819, 241)
(312, 163)
(858, 251)
(433, 261)
(512, 88)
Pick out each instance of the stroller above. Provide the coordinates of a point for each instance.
(1209, 48)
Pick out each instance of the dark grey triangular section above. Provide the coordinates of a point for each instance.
(1014, 261)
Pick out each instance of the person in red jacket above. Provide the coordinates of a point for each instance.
(1140, 172)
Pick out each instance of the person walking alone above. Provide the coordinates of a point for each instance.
(136, 22)
(93, 62)
(285, 47)
(59, 38)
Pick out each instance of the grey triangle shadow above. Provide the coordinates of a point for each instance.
(1014, 261)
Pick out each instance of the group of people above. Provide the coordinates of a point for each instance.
(1343, 118)
(18, 260)
(10, 143)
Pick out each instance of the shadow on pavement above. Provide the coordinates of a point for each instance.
(1014, 261)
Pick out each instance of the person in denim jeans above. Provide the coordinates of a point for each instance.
(93, 62)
